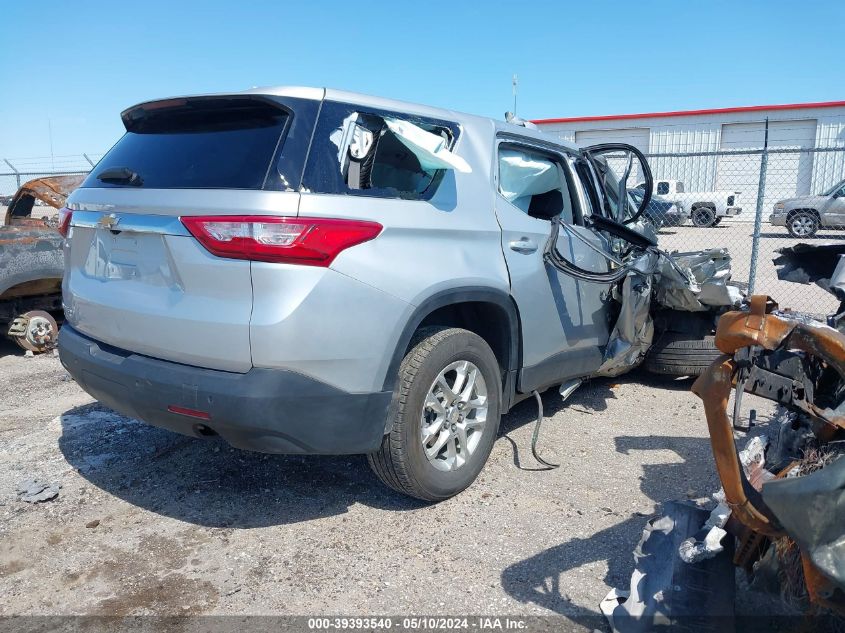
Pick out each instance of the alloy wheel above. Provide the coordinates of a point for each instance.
(454, 415)
(802, 225)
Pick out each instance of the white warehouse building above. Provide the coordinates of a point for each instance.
(681, 145)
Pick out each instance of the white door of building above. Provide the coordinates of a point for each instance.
(787, 175)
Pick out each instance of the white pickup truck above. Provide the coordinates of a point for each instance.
(704, 208)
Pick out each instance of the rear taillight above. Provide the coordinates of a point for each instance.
(308, 241)
(64, 220)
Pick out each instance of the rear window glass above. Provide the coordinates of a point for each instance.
(355, 152)
(201, 144)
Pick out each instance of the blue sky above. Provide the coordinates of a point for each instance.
(76, 65)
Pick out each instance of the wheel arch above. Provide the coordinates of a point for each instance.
(29, 284)
(488, 312)
(810, 210)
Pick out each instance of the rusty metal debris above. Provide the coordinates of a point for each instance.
(800, 364)
(52, 191)
(32, 263)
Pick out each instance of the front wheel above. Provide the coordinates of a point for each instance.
(703, 217)
(802, 224)
(447, 417)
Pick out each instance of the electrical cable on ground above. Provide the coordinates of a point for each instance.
(536, 434)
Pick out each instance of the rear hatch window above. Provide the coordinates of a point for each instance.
(207, 143)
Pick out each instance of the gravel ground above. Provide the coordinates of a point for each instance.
(149, 522)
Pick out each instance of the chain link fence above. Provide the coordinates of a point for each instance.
(750, 201)
(16, 171)
(753, 202)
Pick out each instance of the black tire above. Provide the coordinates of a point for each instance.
(675, 354)
(401, 462)
(703, 217)
(717, 221)
(803, 224)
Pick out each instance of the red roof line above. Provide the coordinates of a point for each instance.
(651, 115)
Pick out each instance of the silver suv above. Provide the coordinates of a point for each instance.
(313, 271)
(805, 215)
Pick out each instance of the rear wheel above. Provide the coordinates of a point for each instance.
(447, 415)
(802, 224)
(677, 354)
(703, 217)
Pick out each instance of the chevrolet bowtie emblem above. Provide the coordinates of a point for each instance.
(108, 221)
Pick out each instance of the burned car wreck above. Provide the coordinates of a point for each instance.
(780, 514)
(31, 262)
(791, 493)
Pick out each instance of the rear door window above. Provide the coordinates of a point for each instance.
(361, 152)
(197, 144)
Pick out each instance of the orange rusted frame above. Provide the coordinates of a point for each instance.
(758, 326)
(714, 389)
(736, 330)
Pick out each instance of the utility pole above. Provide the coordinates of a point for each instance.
(50, 131)
(758, 214)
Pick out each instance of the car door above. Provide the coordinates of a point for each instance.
(835, 213)
(564, 320)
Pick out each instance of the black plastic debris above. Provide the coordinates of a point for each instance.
(814, 263)
(812, 511)
(667, 594)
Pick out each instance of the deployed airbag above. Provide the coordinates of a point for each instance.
(522, 176)
(430, 149)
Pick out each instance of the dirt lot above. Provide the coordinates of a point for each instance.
(149, 522)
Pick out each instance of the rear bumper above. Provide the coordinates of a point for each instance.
(264, 410)
(732, 211)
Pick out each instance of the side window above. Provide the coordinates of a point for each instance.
(377, 153)
(679, 187)
(662, 188)
(534, 182)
